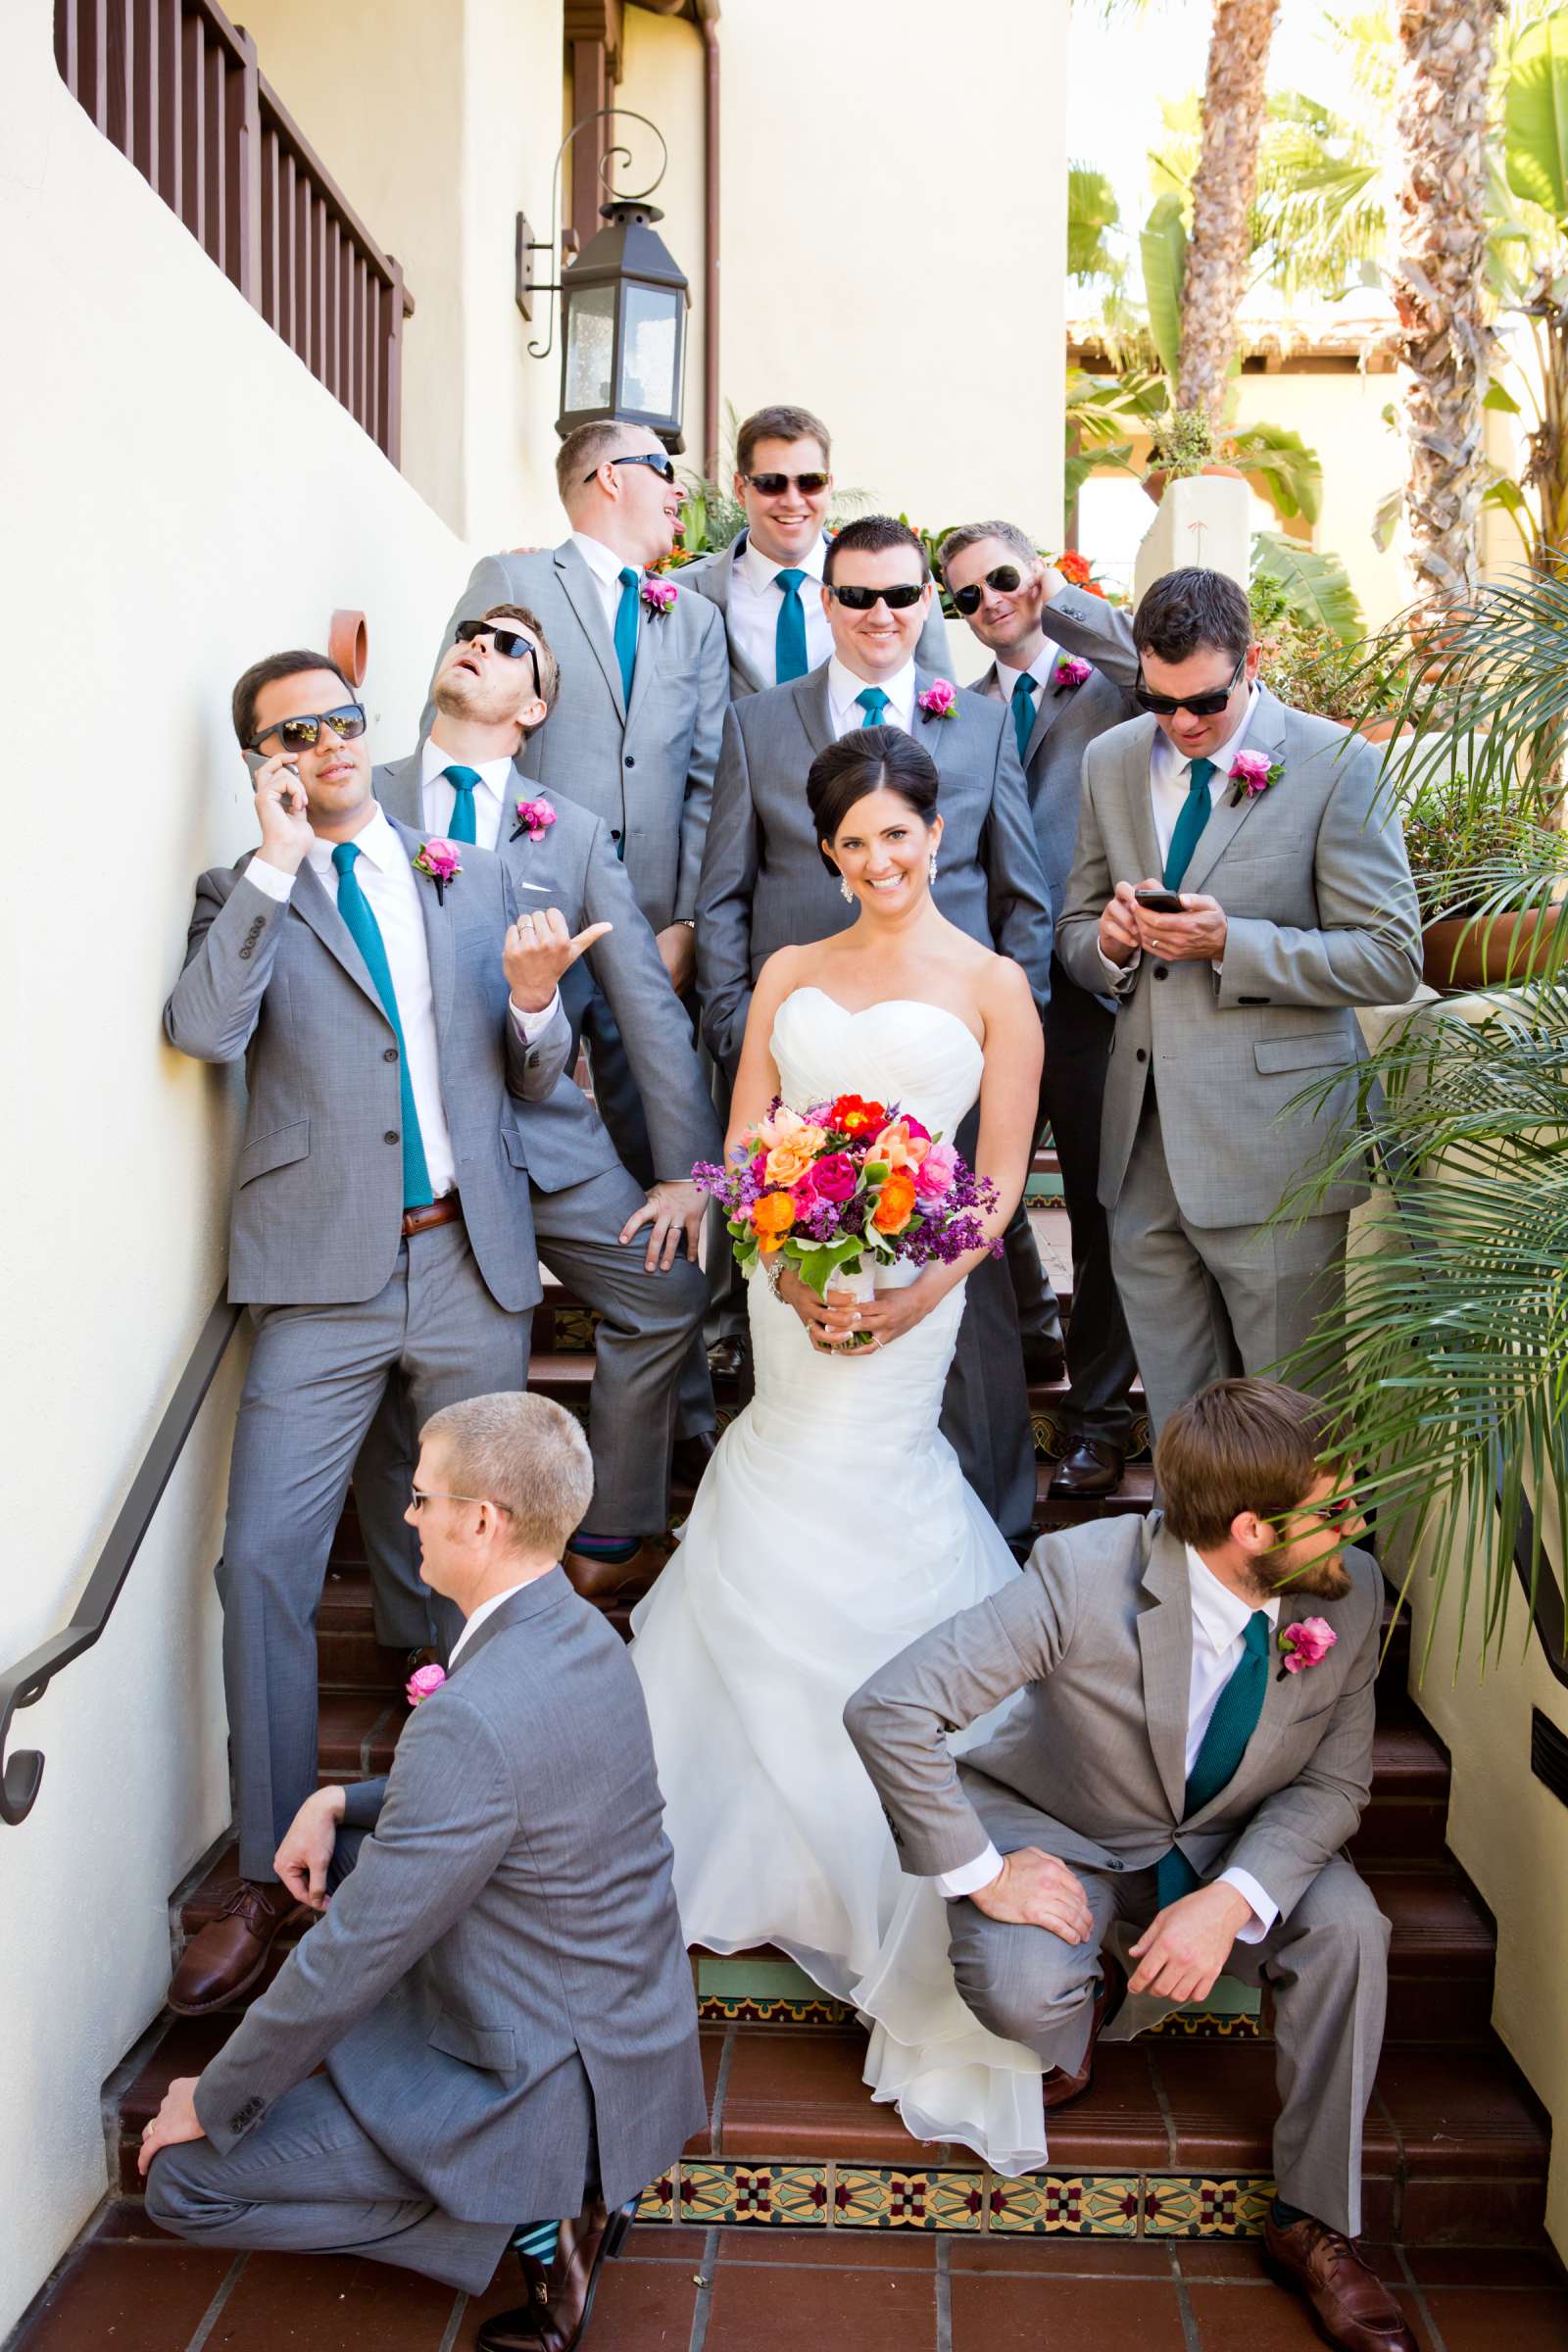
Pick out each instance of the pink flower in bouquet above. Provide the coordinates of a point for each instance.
(423, 1680)
(658, 595)
(938, 700)
(786, 1126)
(899, 1146)
(534, 818)
(834, 1178)
(934, 1178)
(1304, 1644)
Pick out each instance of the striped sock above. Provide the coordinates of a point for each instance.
(538, 2238)
(616, 1549)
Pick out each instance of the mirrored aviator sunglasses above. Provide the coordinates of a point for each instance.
(1005, 580)
(304, 732)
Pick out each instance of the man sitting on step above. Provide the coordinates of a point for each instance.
(1174, 1791)
(496, 1991)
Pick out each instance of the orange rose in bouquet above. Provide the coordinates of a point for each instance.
(895, 1207)
(771, 1218)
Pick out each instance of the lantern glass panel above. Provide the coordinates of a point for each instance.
(650, 351)
(590, 349)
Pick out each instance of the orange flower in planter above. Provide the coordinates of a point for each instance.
(771, 1218)
(895, 1207)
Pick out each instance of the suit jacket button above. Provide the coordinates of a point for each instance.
(1142, 1055)
(391, 1136)
(631, 758)
(1162, 972)
(390, 1054)
(615, 832)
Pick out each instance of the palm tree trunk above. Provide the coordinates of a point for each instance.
(1446, 57)
(1223, 187)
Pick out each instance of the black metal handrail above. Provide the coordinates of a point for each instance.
(23, 1684)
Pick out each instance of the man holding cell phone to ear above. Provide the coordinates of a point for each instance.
(1241, 886)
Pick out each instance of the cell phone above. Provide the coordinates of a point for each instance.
(1159, 902)
(256, 760)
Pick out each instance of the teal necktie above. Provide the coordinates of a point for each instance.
(1224, 1744)
(873, 701)
(1190, 824)
(788, 636)
(1024, 712)
(626, 628)
(366, 932)
(462, 781)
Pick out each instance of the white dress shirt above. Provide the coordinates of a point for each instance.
(1219, 1624)
(1169, 782)
(847, 714)
(486, 1608)
(607, 567)
(754, 602)
(493, 796)
(385, 873)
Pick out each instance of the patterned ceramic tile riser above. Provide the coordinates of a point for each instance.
(952, 2201)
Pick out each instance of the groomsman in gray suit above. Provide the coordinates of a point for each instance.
(498, 1997)
(1189, 1755)
(395, 1028)
(767, 582)
(1063, 664)
(1296, 907)
(764, 886)
(644, 683)
(498, 685)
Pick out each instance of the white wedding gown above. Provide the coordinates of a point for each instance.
(833, 1527)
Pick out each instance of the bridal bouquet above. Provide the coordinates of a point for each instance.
(848, 1183)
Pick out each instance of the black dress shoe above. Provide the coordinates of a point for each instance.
(1094, 1467)
(690, 1456)
(726, 1358)
(1045, 1362)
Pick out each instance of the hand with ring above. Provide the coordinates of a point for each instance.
(536, 951)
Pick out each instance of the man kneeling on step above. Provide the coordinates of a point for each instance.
(495, 1989)
(1174, 1791)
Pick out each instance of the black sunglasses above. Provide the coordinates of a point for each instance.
(304, 733)
(664, 466)
(1005, 579)
(1201, 706)
(508, 642)
(897, 598)
(774, 485)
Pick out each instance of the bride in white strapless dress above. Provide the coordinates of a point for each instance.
(834, 1525)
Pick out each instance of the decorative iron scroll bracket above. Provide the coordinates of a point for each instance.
(526, 285)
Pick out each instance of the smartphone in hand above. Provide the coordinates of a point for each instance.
(1159, 902)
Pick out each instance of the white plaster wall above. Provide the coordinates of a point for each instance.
(661, 77)
(1341, 417)
(181, 497)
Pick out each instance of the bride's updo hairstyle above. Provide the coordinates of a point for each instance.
(869, 760)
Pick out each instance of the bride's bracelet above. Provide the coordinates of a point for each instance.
(771, 1269)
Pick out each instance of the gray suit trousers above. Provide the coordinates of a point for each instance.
(317, 1375)
(1326, 1965)
(1208, 1302)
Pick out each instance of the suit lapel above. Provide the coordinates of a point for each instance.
(582, 592)
(1265, 734)
(312, 903)
(399, 793)
(1140, 804)
(653, 629)
(933, 733)
(813, 709)
(438, 919)
(1166, 1640)
(543, 1593)
(1282, 1700)
(1053, 703)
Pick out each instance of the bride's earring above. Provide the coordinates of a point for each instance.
(846, 893)
(931, 870)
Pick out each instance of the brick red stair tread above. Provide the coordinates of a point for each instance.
(358, 1732)
(1439, 1925)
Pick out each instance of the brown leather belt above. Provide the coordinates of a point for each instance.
(445, 1212)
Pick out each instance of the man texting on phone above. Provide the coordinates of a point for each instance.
(1241, 885)
(396, 1018)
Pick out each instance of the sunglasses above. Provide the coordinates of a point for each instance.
(664, 466)
(897, 599)
(510, 643)
(1201, 706)
(1005, 579)
(303, 734)
(774, 485)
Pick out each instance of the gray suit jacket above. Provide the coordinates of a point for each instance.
(318, 1209)
(1322, 917)
(502, 1975)
(648, 771)
(711, 576)
(765, 885)
(574, 867)
(1097, 1634)
(1067, 720)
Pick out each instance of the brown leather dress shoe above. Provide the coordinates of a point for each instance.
(1350, 2304)
(1058, 2087)
(1094, 1467)
(561, 2322)
(227, 1957)
(604, 1580)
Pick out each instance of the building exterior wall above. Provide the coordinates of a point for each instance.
(1341, 417)
(181, 496)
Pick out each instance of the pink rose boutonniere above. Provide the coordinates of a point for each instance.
(657, 597)
(440, 860)
(1070, 670)
(1304, 1644)
(1252, 775)
(422, 1682)
(534, 818)
(940, 700)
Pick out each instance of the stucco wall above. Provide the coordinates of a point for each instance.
(181, 497)
(1341, 417)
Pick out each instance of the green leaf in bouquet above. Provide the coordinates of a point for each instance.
(817, 1266)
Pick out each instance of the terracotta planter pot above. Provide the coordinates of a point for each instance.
(1381, 730)
(1466, 951)
(1155, 483)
